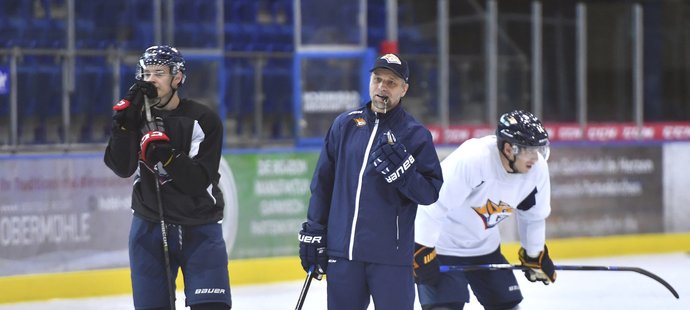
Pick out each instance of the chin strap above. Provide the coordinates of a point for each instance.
(511, 162)
(172, 94)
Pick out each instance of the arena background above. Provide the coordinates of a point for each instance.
(609, 79)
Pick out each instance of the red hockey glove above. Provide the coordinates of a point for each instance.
(155, 147)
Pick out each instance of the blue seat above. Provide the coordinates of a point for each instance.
(47, 33)
(241, 28)
(416, 43)
(109, 24)
(4, 107)
(40, 92)
(275, 35)
(137, 19)
(277, 109)
(239, 95)
(195, 24)
(91, 104)
(4, 119)
(376, 22)
(15, 31)
(277, 80)
(24, 26)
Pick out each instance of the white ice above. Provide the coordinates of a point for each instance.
(577, 290)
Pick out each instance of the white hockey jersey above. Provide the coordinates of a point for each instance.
(477, 194)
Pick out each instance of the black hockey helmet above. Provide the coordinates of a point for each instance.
(522, 130)
(163, 55)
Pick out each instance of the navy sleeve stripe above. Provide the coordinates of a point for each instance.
(529, 201)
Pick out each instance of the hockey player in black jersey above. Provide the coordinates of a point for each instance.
(180, 149)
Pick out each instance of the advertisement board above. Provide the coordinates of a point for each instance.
(62, 214)
(597, 191)
(273, 195)
(72, 213)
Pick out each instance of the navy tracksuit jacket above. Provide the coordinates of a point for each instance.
(366, 218)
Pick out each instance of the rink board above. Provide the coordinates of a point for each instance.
(88, 256)
(254, 271)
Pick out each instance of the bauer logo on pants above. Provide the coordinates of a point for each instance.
(200, 291)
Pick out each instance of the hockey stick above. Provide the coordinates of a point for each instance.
(561, 267)
(164, 232)
(305, 289)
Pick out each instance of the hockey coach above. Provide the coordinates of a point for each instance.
(377, 163)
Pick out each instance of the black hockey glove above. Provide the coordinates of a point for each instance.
(148, 89)
(155, 147)
(391, 158)
(541, 267)
(312, 250)
(426, 266)
(128, 111)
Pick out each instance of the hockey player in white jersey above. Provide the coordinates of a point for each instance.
(484, 185)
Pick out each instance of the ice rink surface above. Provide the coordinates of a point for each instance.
(580, 290)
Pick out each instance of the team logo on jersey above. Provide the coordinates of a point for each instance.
(492, 213)
(391, 59)
(359, 121)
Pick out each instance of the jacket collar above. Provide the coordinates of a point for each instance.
(393, 115)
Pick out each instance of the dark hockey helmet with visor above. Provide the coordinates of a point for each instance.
(524, 132)
(162, 55)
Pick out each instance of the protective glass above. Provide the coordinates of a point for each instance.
(544, 150)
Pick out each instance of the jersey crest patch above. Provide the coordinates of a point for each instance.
(359, 121)
(492, 213)
(391, 59)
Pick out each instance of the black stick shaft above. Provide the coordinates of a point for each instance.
(305, 289)
(449, 268)
(164, 235)
(164, 230)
